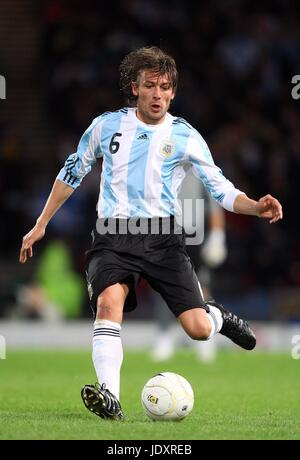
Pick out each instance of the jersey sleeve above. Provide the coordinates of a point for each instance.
(203, 166)
(80, 163)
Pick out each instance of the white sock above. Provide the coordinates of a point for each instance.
(108, 354)
(215, 318)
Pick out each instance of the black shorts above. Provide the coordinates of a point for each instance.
(160, 258)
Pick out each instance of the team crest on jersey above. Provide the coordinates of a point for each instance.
(167, 148)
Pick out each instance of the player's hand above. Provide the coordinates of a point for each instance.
(34, 235)
(214, 250)
(269, 208)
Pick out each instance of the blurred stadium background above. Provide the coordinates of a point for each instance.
(60, 58)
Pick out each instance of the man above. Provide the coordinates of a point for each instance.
(144, 150)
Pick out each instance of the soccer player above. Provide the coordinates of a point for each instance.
(144, 150)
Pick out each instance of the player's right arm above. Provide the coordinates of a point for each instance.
(77, 166)
(59, 194)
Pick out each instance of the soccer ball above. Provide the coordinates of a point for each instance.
(167, 396)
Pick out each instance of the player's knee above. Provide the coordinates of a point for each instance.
(104, 310)
(107, 305)
(111, 301)
(200, 331)
(196, 324)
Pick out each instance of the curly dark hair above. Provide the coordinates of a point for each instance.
(135, 62)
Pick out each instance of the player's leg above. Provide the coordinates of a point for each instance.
(221, 320)
(107, 345)
(103, 398)
(112, 270)
(172, 274)
(233, 327)
(206, 350)
(195, 323)
(200, 324)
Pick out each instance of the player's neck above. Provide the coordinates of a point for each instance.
(147, 120)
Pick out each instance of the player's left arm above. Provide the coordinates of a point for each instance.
(222, 190)
(266, 207)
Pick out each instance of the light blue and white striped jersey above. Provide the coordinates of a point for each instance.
(144, 165)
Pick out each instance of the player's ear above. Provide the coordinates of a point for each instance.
(134, 89)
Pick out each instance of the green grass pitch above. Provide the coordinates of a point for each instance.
(241, 396)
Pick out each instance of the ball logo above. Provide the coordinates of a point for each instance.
(153, 399)
(184, 408)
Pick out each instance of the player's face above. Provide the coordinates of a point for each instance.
(155, 93)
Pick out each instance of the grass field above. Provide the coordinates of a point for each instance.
(241, 396)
